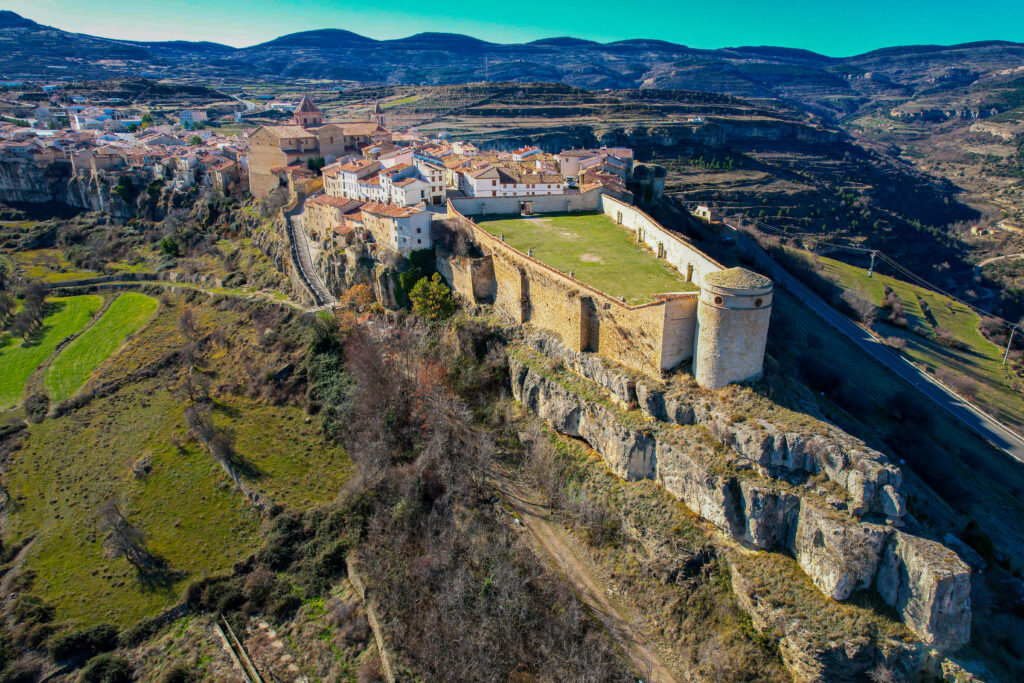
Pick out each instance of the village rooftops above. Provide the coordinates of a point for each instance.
(356, 165)
(407, 181)
(289, 131)
(389, 210)
(358, 127)
(397, 168)
(344, 203)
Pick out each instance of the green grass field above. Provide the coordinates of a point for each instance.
(191, 514)
(77, 361)
(599, 252)
(48, 265)
(980, 360)
(18, 359)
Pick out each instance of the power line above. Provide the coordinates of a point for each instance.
(891, 262)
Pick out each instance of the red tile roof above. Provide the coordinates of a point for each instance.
(389, 210)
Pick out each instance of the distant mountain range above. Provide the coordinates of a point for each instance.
(830, 86)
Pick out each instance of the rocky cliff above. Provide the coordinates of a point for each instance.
(21, 180)
(825, 499)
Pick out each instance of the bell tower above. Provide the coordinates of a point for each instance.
(307, 114)
(378, 115)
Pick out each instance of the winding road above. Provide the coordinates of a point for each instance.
(999, 258)
(978, 421)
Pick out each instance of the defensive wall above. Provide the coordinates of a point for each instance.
(676, 251)
(505, 206)
(650, 338)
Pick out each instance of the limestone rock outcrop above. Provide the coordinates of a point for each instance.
(742, 493)
(863, 472)
(927, 584)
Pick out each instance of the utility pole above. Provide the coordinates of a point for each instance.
(871, 268)
(1013, 328)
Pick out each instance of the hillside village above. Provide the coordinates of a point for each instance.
(360, 161)
(341, 205)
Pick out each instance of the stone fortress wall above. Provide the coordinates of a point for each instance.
(506, 206)
(650, 338)
(676, 251)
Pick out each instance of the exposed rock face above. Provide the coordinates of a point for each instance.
(21, 180)
(713, 497)
(862, 471)
(769, 515)
(840, 552)
(840, 555)
(930, 586)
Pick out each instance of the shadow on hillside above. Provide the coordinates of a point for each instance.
(158, 575)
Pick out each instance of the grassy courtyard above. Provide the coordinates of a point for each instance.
(81, 357)
(599, 252)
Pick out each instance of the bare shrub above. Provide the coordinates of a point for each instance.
(948, 339)
(370, 671)
(961, 384)
(865, 311)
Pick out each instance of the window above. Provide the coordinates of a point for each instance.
(418, 231)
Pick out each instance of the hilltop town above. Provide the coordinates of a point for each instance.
(331, 391)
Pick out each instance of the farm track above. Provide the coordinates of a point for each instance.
(550, 541)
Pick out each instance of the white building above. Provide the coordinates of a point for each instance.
(508, 181)
(190, 117)
(434, 174)
(402, 228)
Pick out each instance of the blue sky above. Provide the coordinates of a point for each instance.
(832, 28)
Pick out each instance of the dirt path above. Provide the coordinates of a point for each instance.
(999, 258)
(549, 540)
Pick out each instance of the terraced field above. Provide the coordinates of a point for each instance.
(133, 446)
(19, 359)
(77, 361)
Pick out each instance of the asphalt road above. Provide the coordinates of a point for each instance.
(981, 423)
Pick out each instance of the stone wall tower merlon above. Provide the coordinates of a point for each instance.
(733, 313)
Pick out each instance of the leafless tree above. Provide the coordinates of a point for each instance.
(199, 418)
(196, 386)
(122, 537)
(188, 324)
(865, 311)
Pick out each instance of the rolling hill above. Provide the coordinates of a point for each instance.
(828, 86)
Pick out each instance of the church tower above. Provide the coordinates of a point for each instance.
(378, 115)
(307, 114)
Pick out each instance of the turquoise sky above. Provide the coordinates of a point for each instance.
(832, 28)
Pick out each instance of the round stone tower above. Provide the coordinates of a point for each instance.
(733, 312)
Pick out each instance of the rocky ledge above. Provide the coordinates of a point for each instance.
(872, 484)
(729, 475)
